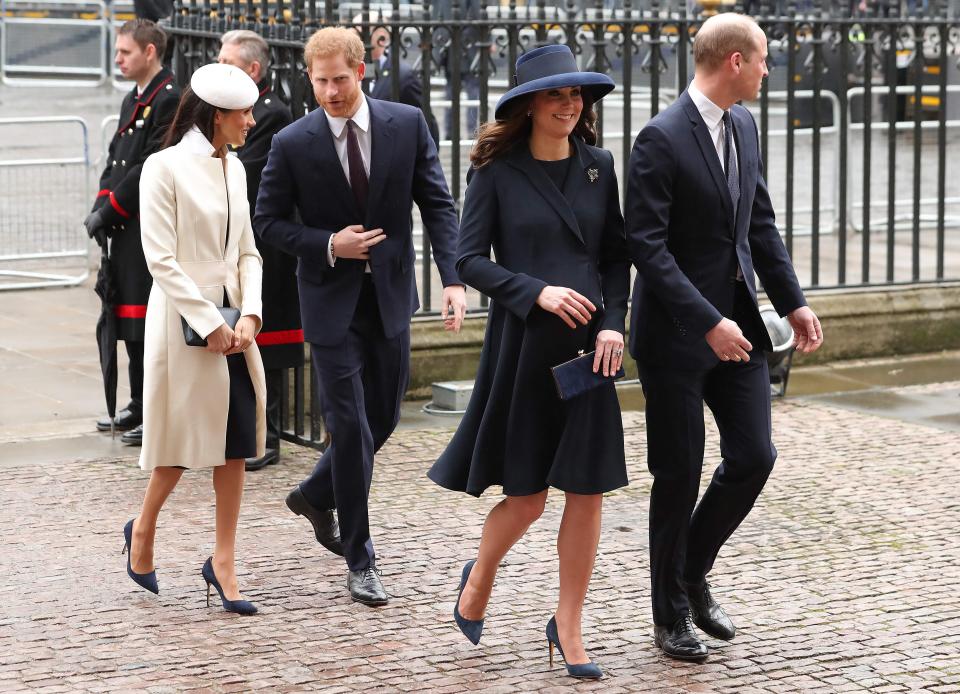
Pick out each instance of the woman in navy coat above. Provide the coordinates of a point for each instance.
(546, 201)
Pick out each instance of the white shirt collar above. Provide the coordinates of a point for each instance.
(709, 111)
(361, 118)
(196, 142)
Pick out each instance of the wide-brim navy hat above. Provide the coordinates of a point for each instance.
(552, 67)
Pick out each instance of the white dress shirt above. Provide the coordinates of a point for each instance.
(713, 117)
(338, 128)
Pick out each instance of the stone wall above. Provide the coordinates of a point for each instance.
(857, 324)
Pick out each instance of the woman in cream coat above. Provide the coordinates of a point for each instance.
(203, 406)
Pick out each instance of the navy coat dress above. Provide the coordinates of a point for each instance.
(516, 432)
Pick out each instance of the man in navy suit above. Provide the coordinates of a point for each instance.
(352, 170)
(699, 224)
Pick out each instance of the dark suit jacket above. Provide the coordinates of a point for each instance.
(686, 243)
(410, 90)
(272, 116)
(542, 237)
(303, 173)
(280, 339)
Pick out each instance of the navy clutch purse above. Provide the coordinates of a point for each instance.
(192, 337)
(576, 376)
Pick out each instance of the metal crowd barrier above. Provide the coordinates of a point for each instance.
(53, 42)
(108, 126)
(45, 198)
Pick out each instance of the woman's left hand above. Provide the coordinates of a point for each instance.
(609, 354)
(243, 334)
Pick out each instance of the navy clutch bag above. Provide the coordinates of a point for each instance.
(576, 376)
(192, 337)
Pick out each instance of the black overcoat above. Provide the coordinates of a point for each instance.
(143, 124)
(281, 339)
(516, 432)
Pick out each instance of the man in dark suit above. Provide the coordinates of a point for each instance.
(699, 224)
(352, 169)
(281, 340)
(384, 79)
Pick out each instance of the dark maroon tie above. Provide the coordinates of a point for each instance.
(358, 175)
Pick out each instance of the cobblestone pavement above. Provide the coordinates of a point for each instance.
(842, 579)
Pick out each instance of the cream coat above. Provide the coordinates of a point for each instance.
(183, 218)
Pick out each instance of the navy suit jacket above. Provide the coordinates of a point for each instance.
(687, 244)
(304, 174)
(544, 237)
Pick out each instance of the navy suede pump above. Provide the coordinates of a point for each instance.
(238, 606)
(583, 671)
(471, 628)
(148, 581)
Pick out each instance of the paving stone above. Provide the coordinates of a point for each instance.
(841, 579)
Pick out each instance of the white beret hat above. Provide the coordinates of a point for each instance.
(224, 86)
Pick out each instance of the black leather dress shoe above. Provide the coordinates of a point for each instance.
(324, 522)
(134, 437)
(269, 458)
(366, 588)
(707, 614)
(124, 421)
(680, 641)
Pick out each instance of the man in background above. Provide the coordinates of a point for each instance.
(281, 340)
(383, 77)
(144, 116)
(442, 10)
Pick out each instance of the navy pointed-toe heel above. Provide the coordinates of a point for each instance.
(238, 606)
(471, 628)
(147, 581)
(583, 671)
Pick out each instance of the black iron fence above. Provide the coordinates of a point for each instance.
(857, 119)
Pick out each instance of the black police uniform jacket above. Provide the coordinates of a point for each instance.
(143, 123)
(281, 339)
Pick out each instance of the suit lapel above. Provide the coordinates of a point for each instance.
(523, 160)
(382, 131)
(583, 173)
(709, 152)
(328, 163)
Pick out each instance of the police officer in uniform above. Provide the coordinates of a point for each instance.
(144, 116)
(281, 340)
